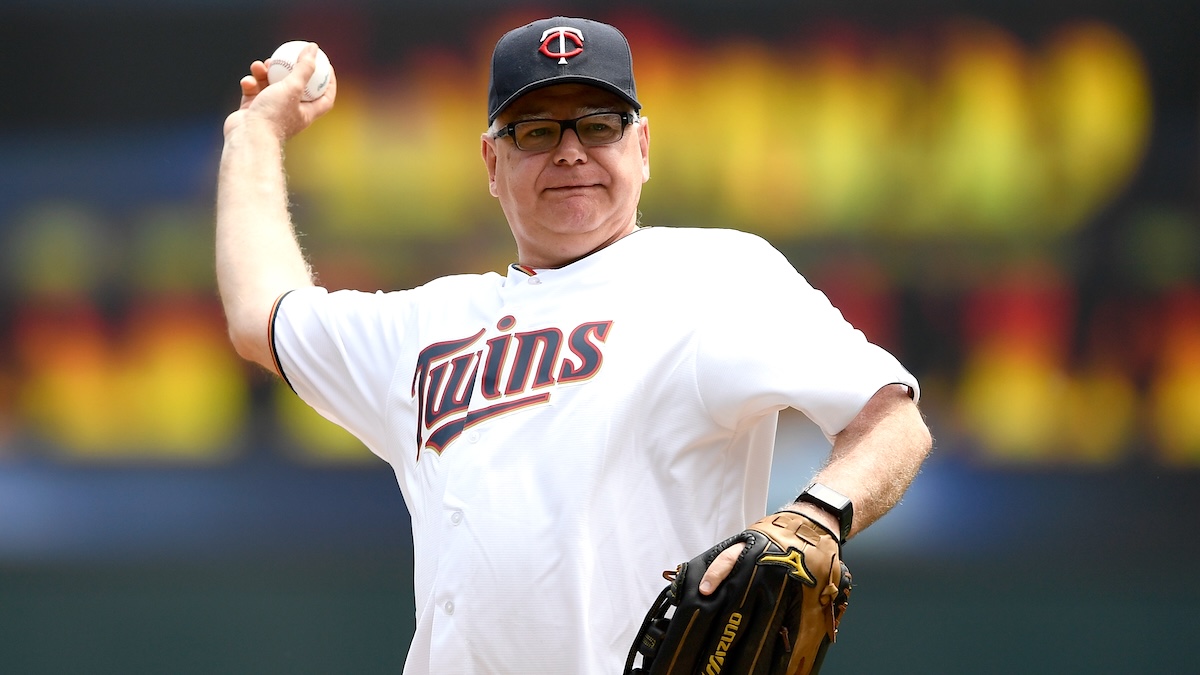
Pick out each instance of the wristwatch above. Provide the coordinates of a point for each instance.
(833, 502)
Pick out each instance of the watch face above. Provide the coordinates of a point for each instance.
(829, 496)
(834, 502)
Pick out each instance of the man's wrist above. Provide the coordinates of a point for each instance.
(256, 126)
(817, 514)
(832, 502)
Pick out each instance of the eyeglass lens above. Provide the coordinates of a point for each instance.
(598, 129)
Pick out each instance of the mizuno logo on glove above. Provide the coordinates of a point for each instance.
(717, 659)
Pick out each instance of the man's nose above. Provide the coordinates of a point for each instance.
(570, 149)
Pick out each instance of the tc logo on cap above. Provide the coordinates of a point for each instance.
(561, 34)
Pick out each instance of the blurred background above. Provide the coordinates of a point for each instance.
(1004, 194)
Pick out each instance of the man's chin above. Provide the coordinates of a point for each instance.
(574, 213)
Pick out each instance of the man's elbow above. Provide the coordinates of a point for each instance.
(925, 438)
(250, 341)
(920, 436)
(908, 424)
(243, 345)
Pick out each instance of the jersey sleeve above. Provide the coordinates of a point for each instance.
(777, 342)
(339, 352)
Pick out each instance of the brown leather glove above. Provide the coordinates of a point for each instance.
(776, 612)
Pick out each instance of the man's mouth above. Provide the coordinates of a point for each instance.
(572, 186)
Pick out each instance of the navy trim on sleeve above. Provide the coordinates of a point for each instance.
(271, 339)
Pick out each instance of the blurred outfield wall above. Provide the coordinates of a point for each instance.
(1003, 194)
(998, 199)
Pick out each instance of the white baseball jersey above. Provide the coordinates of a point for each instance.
(563, 436)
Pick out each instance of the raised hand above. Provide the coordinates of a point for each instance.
(280, 105)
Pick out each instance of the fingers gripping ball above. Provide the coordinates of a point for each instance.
(775, 614)
(284, 59)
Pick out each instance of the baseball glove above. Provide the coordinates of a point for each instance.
(776, 612)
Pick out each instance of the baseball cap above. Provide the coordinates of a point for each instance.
(560, 50)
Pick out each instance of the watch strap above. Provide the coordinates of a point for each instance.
(832, 502)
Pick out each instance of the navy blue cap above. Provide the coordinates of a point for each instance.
(558, 51)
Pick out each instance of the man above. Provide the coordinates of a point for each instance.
(605, 409)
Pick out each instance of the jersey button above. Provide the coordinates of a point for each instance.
(449, 607)
(456, 517)
(534, 281)
(473, 437)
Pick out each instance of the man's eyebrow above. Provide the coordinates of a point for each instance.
(528, 116)
(579, 112)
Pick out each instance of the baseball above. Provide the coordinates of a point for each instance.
(285, 57)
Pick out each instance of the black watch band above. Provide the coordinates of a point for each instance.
(833, 502)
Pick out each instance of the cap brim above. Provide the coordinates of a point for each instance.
(565, 79)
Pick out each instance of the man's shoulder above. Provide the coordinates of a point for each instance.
(451, 284)
(466, 280)
(436, 292)
(709, 236)
(704, 243)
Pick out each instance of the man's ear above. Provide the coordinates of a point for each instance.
(488, 148)
(644, 145)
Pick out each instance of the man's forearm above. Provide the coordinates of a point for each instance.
(876, 458)
(257, 255)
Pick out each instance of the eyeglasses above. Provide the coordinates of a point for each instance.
(595, 129)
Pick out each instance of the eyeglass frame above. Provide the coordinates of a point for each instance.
(510, 129)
